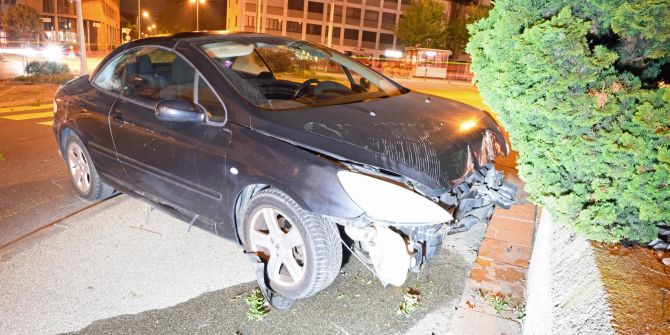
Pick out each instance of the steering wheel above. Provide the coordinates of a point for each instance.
(304, 85)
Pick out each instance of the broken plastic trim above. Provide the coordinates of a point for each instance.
(477, 197)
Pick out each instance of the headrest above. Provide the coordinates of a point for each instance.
(144, 66)
(182, 73)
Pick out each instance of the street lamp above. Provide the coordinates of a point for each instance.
(197, 12)
(139, 18)
(145, 15)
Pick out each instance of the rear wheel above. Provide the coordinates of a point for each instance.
(83, 173)
(302, 251)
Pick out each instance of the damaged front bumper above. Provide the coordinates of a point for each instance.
(392, 249)
(475, 199)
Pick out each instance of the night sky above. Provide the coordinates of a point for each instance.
(177, 15)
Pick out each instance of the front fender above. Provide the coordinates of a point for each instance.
(310, 179)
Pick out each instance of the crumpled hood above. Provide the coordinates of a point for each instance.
(432, 140)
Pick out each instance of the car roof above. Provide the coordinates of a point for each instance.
(200, 36)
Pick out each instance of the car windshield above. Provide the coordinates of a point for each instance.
(287, 74)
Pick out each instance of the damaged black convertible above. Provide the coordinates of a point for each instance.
(287, 147)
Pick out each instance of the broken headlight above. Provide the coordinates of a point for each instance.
(385, 201)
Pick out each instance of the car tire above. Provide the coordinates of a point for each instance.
(303, 239)
(83, 174)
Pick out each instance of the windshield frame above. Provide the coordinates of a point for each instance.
(285, 41)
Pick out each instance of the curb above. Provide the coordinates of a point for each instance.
(565, 293)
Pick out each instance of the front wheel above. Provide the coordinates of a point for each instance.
(83, 173)
(302, 251)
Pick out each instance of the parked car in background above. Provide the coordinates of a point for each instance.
(285, 146)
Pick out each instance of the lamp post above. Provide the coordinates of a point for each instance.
(329, 38)
(197, 12)
(259, 11)
(145, 15)
(83, 66)
(140, 14)
(139, 19)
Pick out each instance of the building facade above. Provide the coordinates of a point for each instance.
(360, 27)
(102, 21)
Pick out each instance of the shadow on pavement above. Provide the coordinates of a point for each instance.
(355, 303)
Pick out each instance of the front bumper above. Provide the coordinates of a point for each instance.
(393, 249)
(476, 197)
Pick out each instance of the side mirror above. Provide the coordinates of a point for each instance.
(365, 84)
(179, 111)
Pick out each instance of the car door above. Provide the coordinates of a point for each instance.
(90, 111)
(160, 157)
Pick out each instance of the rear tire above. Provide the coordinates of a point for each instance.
(83, 174)
(301, 250)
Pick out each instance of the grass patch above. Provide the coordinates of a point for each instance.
(2, 157)
(410, 302)
(501, 303)
(60, 78)
(257, 307)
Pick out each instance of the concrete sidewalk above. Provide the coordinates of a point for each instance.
(113, 259)
(121, 268)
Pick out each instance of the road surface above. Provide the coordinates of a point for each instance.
(122, 267)
(34, 185)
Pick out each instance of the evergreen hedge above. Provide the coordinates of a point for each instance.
(46, 68)
(580, 88)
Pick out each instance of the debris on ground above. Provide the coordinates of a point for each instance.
(258, 309)
(501, 302)
(410, 303)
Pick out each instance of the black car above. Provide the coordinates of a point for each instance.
(287, 147)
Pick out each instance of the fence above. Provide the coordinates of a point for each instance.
(406, 69)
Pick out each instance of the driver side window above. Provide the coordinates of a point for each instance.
(155, 74)
(110, 77)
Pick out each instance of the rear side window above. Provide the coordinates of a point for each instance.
(110, 77)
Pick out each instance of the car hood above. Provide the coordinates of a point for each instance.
(431, 140)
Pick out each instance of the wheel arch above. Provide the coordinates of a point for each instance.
(243, 197)
(246, 193)
(309, 179)
(65, 131)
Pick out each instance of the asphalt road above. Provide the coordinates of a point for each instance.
(34, 185)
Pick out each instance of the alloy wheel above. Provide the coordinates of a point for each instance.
(279, 243)
(80, 169)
